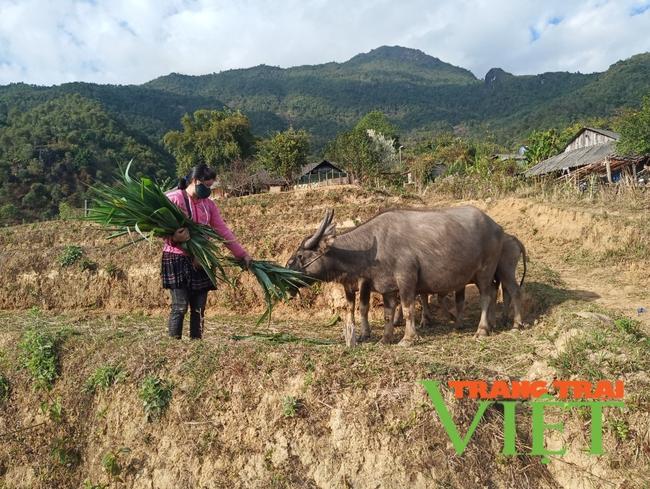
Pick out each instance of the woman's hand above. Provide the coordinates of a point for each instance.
(246, 261)
(181, 235)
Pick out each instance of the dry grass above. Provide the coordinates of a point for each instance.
(497, 186)
(240, 378)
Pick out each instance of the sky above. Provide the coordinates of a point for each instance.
(48, 42)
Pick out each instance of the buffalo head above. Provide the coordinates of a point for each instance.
(308, 258)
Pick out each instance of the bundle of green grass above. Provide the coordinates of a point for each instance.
(140, 210)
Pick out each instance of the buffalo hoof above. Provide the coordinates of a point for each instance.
(363, 338)
(428, 324)
(386, 340)
(481, 333)
(350, 336)
(408, 341)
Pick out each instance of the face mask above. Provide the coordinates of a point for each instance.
(202, 191)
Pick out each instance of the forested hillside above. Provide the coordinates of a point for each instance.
(419, 93)
(50, 153)
(54, 140)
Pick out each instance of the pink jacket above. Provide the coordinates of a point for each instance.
(204, 211)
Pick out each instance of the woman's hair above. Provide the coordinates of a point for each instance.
(199, 172)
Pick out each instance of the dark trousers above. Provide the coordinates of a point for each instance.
(181, 299)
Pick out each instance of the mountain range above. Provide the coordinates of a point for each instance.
(419, 93)
(55, 140)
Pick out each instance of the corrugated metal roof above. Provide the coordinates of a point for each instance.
(605, 132)
(573, 159)
(307, 168)
(312, 166)
(610, 134)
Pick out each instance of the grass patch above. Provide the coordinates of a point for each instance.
(105, 377)
(156, 394)
(629, 326)
(4, 388)
(40, 357)
(88, 484)
(70, 255)
(542, 273)
(605, 351)
(618, 256)
(280, 338)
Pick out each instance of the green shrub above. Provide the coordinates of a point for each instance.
(620, 428)
(54, 410)
(111, 462)
(114, 271)
(156, 395)
(66, 211)
(105, 377)
(290, 406)
(39, 357)
(63, 453)
(70, 255)
(89, 265)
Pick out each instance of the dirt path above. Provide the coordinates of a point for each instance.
(596, 255)
(598, 286)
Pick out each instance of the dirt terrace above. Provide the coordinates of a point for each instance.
(286, 404)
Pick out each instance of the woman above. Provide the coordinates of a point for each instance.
(186, 279)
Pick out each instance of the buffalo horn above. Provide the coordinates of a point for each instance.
(313, 241)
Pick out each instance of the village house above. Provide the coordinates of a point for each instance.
(592, 152)
(259, 182)
(321, 173)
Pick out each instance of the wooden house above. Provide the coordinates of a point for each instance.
(319, 174)
(590, 152)
(259, 182)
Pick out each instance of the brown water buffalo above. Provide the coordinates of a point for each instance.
(406, 252)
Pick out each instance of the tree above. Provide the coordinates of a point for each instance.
(53, 151)
(634, 126)
(213, 137)
(284, 153)
(455, 153)
(542, 145)
(367, 149)
(237, 175)
(354, 150)
(384, 149)
(378, 122)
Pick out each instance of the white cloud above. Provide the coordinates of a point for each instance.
(132, 41)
